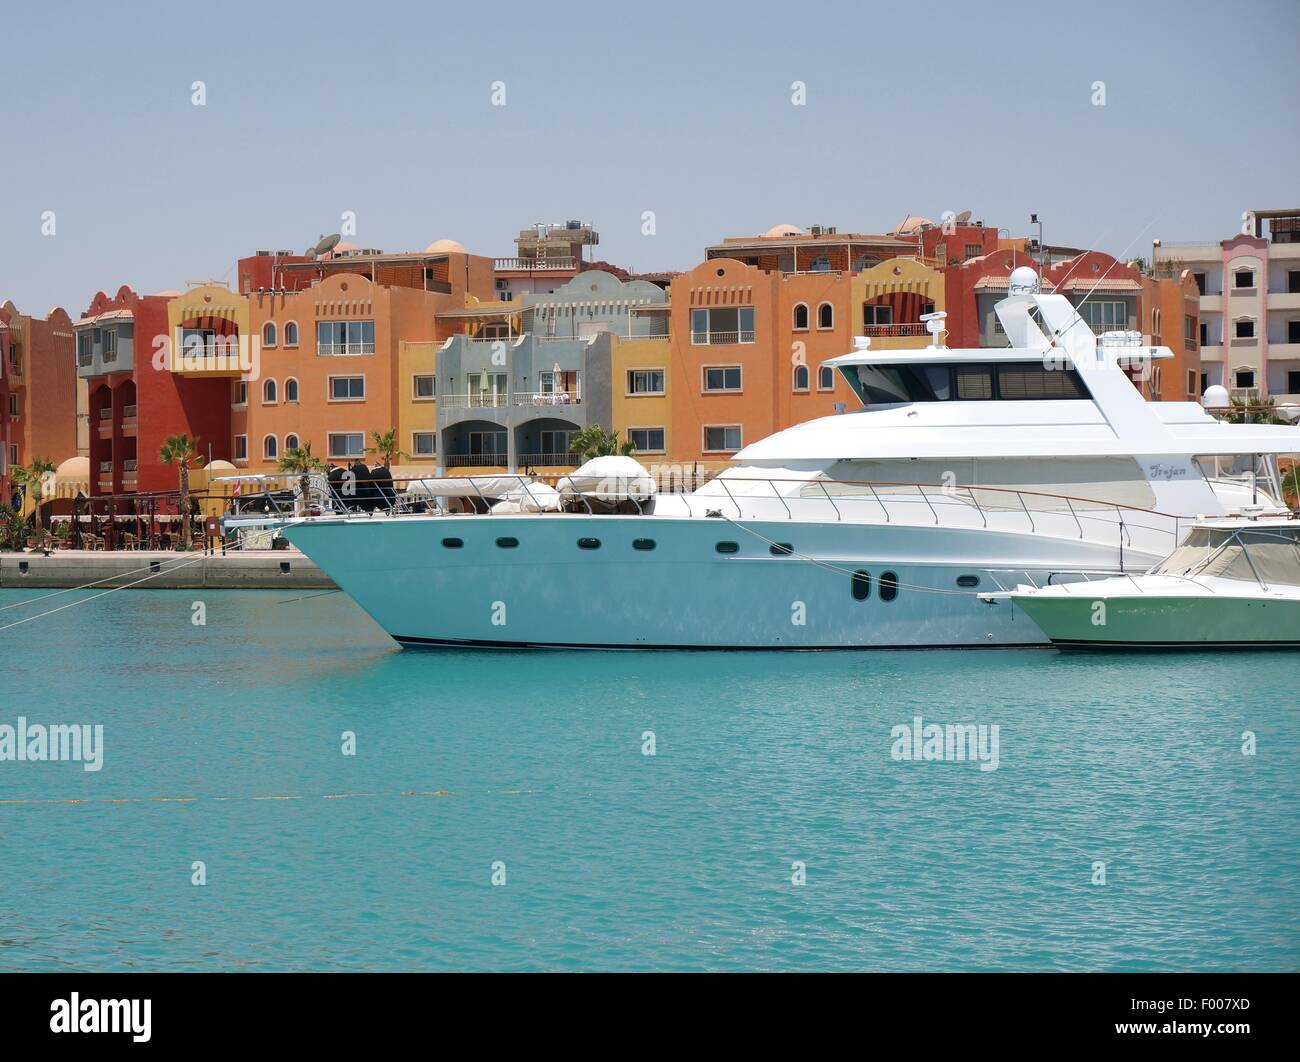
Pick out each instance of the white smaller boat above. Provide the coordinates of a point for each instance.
(1234, 583)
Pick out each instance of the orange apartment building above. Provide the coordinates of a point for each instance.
(331, 338)
(748, 345)
(38, 391)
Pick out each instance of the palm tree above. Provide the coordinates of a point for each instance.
(32, 475)
(386, 447)
(182, 451)
(301, 460)
(596, 441)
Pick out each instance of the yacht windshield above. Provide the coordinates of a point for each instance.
(1256, 555)
(965, 382)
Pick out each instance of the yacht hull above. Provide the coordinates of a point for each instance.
(1151, 622)
(650, 582)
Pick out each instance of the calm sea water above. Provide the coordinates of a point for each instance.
(614, 859)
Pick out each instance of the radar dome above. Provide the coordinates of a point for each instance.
(1216, 397)
(1023, 281)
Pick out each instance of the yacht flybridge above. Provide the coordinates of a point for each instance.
(964, 472)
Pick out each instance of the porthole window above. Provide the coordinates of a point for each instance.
(861, 585)
(968, 581)
(643, 543)
(589, 543)
(727, 547)
(780, 549)
(452, 543)
(888, 586)
(507, 543)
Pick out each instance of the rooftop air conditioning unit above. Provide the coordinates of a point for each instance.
(284, 254)
(573, 225)
(814, 230)
(263, 254)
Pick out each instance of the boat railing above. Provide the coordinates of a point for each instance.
(957, 506)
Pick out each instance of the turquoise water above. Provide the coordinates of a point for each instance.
(614, 859)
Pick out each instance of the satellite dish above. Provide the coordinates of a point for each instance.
(963, 217)
(326, 243)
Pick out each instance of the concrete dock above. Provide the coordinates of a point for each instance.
(160, 570)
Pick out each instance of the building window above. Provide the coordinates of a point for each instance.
(1243, 278)
(1293, 382)
(1293, 331)
(722, 378)
(647, 440)
(424, 444)
(825, 378)
(270, 448)
(1191, 383)
(556, 442)
(825, 315)
(347, 444)
(291, 442)
(721, 438)
(291, 333)
(241, 392)
(801, 377)
(820, 264)
(801, 317)
(268, 334)
(877, 315)
(1244, 378)
(1155, 324)
(863, 261)
(1200, 282)
(108, 344)
(973, 250)
(241, 447)
(85, 347)
(290, 388)
(13, 405)
(722, 325)
(1105, 316)
(1293, 281)
(1244, 328)
(487, 444)
(347, 388)
(268, 391)
(345, 338)
(645, 381)
(1189, 332)
(424, 387)
(1205, 334)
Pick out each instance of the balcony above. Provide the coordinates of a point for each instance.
(565, 460)
(128, 420)
(476, 460)
(218, 356)
(474, 400)
(536, 265)
(894, 330)
(715, 339)
(545, 398)
(345, 350)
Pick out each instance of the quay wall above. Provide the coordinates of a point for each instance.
(161, 570)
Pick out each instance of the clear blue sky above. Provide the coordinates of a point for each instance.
(613, 109)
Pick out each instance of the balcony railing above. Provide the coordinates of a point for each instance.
(128, 412)
(342, 350)
(475, 460)
(504, 399)
(566, 459)
(106, 466)
(106, 413)
(129, 465)
(537, 265)
(894, 330)
(713, 339)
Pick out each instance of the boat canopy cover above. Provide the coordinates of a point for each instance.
(612, 478)
(529, 498)
(1270, 555)
(465, 486)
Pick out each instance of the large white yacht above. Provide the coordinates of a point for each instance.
(965, 472)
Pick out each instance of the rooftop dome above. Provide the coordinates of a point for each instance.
(73, 469)
(345, 246)
(913, 223)
(444, 247)
(784, 230)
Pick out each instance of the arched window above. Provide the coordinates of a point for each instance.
(826, 378)
(801, 377)
(270, 448)
(291, 442)
(800, 316)
(268, 391)
(291, 333)
(268, 334)
(290, 385)
(825, 315)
